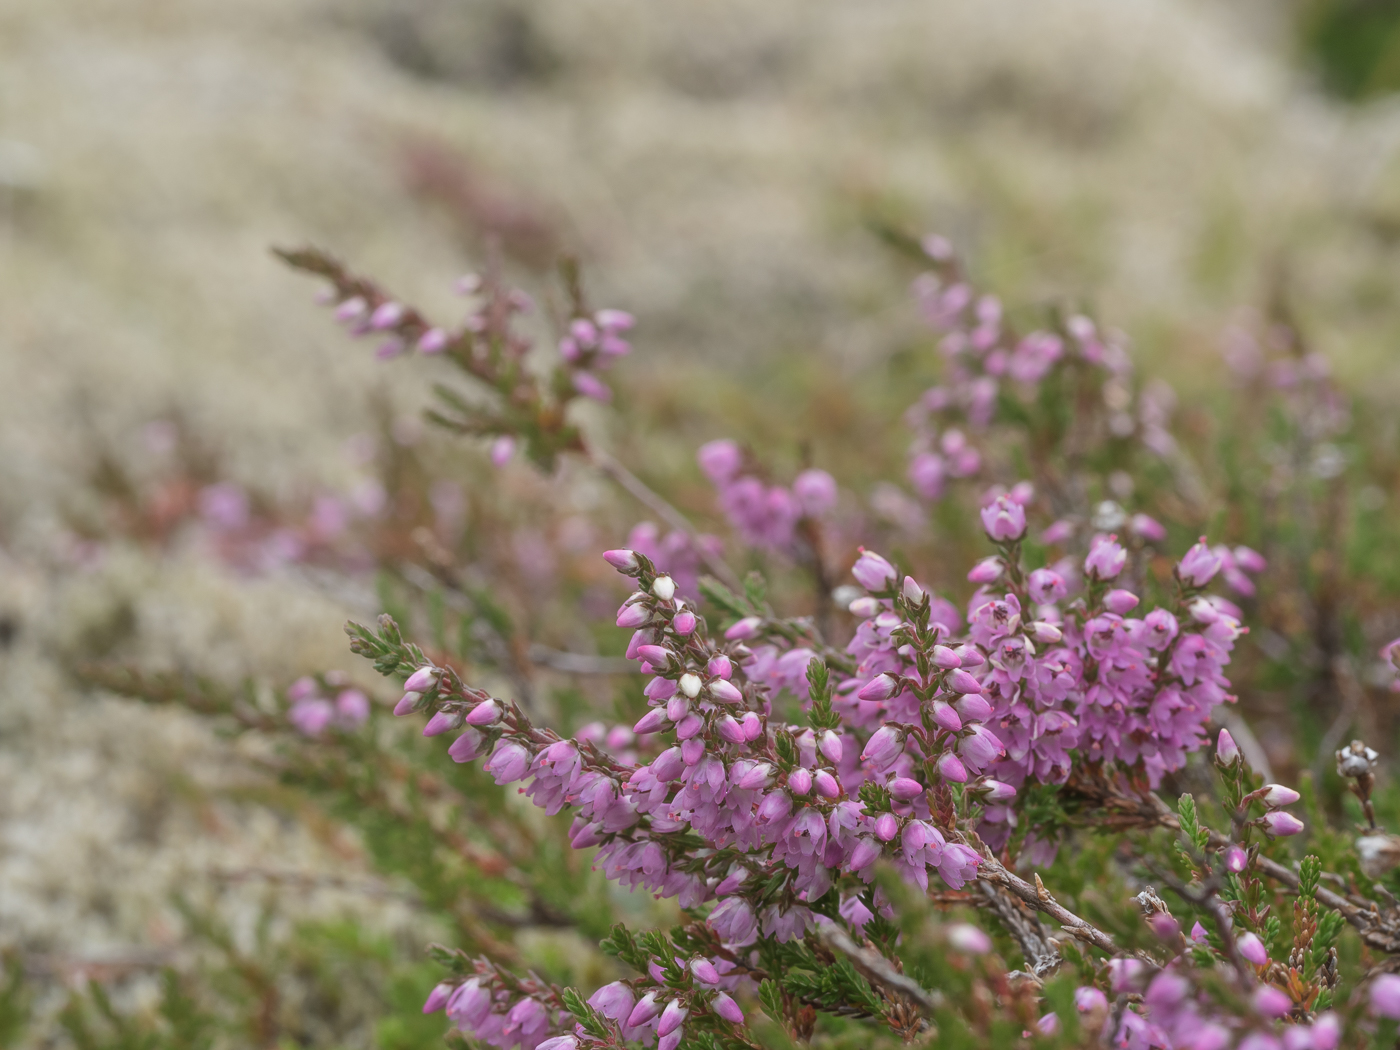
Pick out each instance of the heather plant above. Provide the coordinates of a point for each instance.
(893, 815)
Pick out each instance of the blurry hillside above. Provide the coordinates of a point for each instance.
(718, 167)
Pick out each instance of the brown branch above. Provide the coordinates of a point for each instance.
(878, 970)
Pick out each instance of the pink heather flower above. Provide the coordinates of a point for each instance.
(1046, 586)
(959, 681)
(1385, 996)
(559, 1042)
(310, 717)
(905, 788)
(671, 1017)
(438, 997)
(433, 341)
(720, 460)
(1106, 558)
(470, 745)
(728, 1009)
(590, 386)
(815, 491)
(1087, 999)
(965, 937)
(683, 623)
(996, 791)
(407, 703)
(351, 309)
(421, 680)
(1161, 627)
(881, 687)
(800, 782)
(633, 616)
(647, 1008)
(1252, 949)
(502, 449)
(883, 747)
(886, 827)
(622, 560)
(1236, 859)
(1057, 533)
(725, 692)
(745, 628)
(927, 474)
(873, 572)
(442, 722)
(734, 922)
(1147, 528)
(987, 570)
(1272, 1002)
(304, 688)
(1276, 795)
(484, 713)
(1277, 822)
(826, 785)
(720, 667)
(1226, 750)
(1004, 520)
(1125, 974)
(386, 315)
(1120, 601)
(1250, 560)
(950, 767)
(830, 746)
(1164, 926)
(1199, 565)
(508, 763)
(1049, 1024)
(1326, 1033)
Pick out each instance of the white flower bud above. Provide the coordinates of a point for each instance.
(690, 685)
(664, 588)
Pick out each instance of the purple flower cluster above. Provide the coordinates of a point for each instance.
(987, 360)
(315, 707)
(765, 515)
(592, 345)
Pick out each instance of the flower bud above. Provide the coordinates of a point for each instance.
(684, 622)
(421, 680)
(408, 703)
(965, 937)
(872, 572)
(800, 782)
(753, 726)
(1235, 859)
(1277, 822)
(689, 684)
(1226, 751)
(704, 970)
(1120, 601)
(622, 560)
(647, 1007)
(442, 722)
(864, 607)
(633, 616)
(1276, 795)
(826, 785)
(886, 827)
(972, 708)
(905, 789)
(1272, 1002)
(996, 791)
(970, 655)
(1045, 633)
(725, 692)
(433, 341)
(913, 593)
(881, 687)
(745, 628)
(1385, 996)
(677, 707)
(656, 655)
(650, 722)
(961, 682)
(883, 747)
(386, 315)
(759, 776)
(728, 1009)
(1252, 949)
(729, 729)
(484, 713)
(438, 997)
(664, 588)
(987, 570)
(946, 717)
(829, 744)
(950, 767)
(720, 667)
(945, 659)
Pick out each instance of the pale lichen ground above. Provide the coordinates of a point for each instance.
(711, 164)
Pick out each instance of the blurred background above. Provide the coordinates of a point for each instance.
(723, 170)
